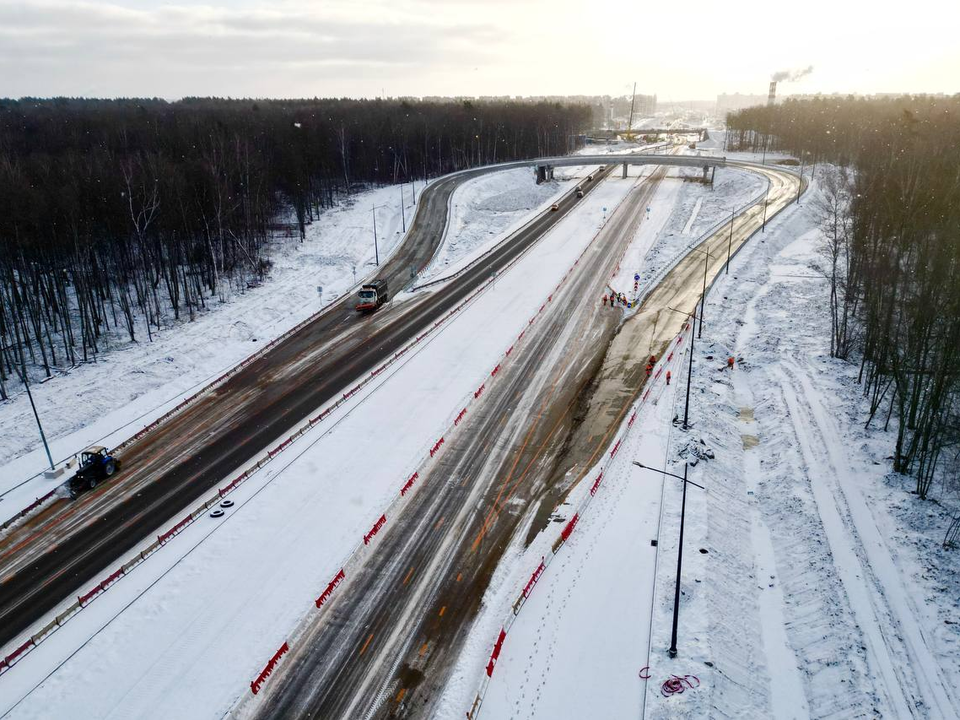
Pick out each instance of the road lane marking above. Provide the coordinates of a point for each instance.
(364, 648)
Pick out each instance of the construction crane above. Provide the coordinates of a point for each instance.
(629, 135)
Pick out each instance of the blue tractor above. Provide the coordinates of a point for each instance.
(96, 464)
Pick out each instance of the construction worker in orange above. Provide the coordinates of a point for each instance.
(730, 363)
(668, 377)
(604, 300)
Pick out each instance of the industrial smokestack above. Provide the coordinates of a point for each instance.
(772, 95)
(794, 75)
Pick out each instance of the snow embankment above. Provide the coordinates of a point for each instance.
(130, 384)
(185, 633)
(128, 387)
(820, 593)
(486, 210)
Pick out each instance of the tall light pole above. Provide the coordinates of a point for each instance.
(730, 241)
(763, 228)
(686, 405)
(703, 295)
(43, 438)
(376, 251)
(683, 514)
(800, 186)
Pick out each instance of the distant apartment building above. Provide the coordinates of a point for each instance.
(736, 101)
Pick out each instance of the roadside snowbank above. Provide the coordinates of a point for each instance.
(486, 210)
(107, 401)
(183, 635)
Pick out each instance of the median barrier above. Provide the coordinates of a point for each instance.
(28, 509)
(494, 656)
(38, 636)
(12, 658)
(87, 597)
(596, 484)
(375, 529)
(268, 669)
(533, 579)
(409, 484)
(325, 595)
(558, 543)
(65, 615)
(175, 529)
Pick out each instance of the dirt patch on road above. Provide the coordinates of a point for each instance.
(617, 376)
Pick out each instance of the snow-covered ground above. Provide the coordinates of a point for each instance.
(848, 606)
(579, 641)
(486, 210)
(107, 401)
(185, 632)
(814, 583)
(130, 384)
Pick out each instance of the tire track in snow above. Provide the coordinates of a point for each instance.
(844, 546)
(890, 592)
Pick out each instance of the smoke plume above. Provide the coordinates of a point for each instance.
(784, 75)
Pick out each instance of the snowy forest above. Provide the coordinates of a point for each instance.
(116, 215)
(890, 217)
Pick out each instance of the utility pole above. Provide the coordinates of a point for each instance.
(376, 251)
(686, 405)
(800, 186)
(43, 438)
(683, 515)
(763, 228)
(703, 295)
(730, 241)
(403, 219)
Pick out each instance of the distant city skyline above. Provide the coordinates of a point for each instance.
(291, 48)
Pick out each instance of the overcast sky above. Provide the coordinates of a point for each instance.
(293, 48)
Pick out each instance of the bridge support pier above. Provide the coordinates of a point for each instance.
(544, 173)
(624, 170)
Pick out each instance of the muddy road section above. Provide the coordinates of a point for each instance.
(386, 644)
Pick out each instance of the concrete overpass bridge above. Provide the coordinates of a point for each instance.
(700, 132)
(707, 163)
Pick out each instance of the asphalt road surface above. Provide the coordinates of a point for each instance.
(385, 644)
(70, 543)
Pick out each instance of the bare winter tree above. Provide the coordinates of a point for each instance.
(832, 209)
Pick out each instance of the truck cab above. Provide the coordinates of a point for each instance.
(372, 296)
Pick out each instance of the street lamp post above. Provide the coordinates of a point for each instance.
(800, 186)
(683, 514)
(703, 295)
(730, 241)
(686, 405)
(43, 437)
(763, 228)
(376, 250)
